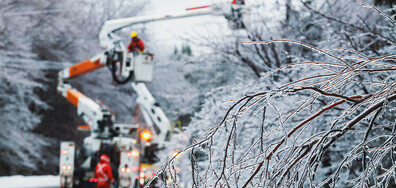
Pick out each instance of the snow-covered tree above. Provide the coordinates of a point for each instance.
(328, 119)
(58, 30)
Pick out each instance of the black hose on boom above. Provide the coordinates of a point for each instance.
(116, 78)
(111, 64)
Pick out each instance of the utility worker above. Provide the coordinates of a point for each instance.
(136, 45)
(103, 172)
(238, 2)
(236, 14)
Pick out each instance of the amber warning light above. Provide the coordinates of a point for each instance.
(146, 135)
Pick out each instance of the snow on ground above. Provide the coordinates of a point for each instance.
(29, 181)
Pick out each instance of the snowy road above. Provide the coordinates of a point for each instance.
(47, 181)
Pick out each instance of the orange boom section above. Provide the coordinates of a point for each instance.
(73, 96)
(83, 128)
(84, 67)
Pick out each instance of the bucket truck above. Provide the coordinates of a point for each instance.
(130, 146)
(126, 144)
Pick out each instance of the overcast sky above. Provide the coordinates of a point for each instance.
(165, 35)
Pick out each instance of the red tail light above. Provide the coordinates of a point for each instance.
(68, 167)
(125, 169)
(95, 180)
(91, 180)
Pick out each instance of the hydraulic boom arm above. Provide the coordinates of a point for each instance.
(153, 114)
(98, 117)
(126, 66)
(109, 40)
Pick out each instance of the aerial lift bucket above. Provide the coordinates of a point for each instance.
(143, 67)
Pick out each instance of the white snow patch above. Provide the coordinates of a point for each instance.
(29, 181)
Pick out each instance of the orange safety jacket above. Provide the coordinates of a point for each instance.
(239, 2)
(103, 172)
(136, 45)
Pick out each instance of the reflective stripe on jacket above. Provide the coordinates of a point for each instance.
(104, 174)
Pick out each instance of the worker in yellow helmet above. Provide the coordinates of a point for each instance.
(136, 45)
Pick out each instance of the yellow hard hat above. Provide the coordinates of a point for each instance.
(133, 34)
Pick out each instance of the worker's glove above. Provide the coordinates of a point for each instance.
(114, 183)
